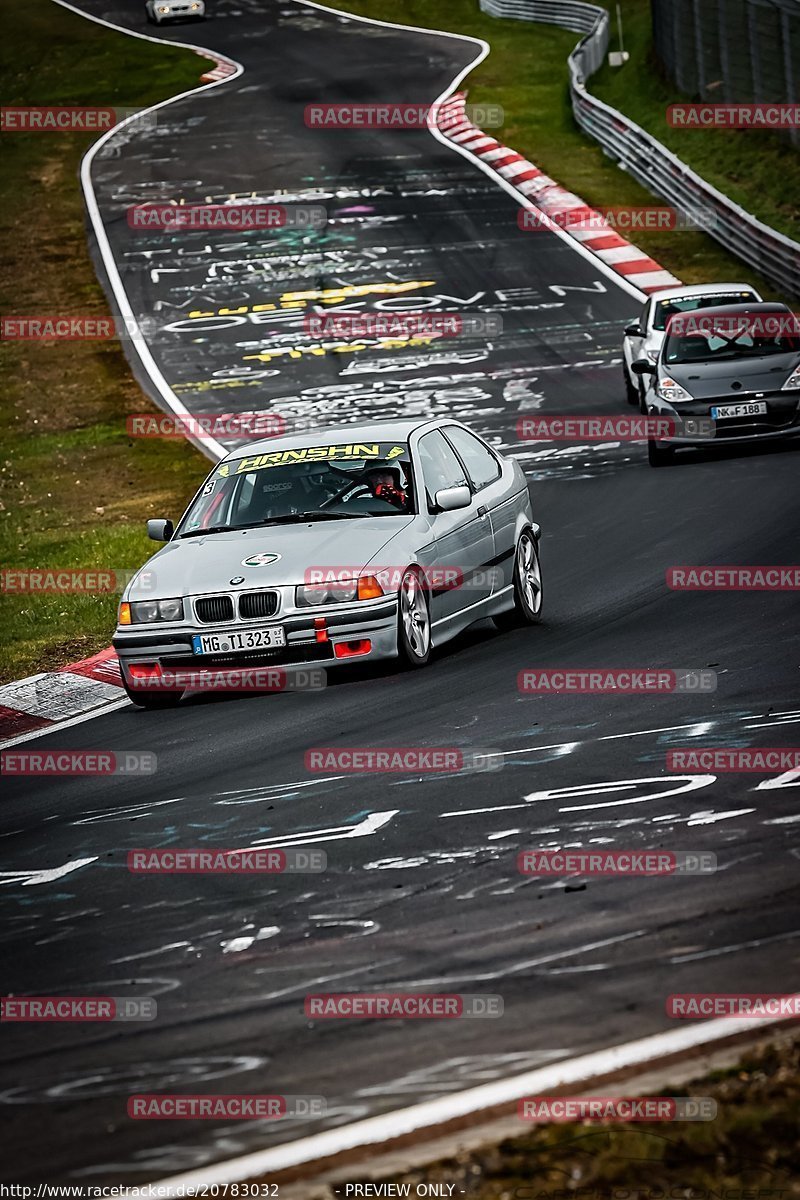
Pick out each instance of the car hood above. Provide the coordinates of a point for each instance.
(707, 380)
(197, 565)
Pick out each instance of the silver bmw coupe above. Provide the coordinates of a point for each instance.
(358, 542)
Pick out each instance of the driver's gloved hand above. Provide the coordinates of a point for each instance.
(391, 495)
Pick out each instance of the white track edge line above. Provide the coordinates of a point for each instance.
(208, 446)
(371, 1131)
(121, 297)
(488, 170)
(376, 1130)
(110, 264)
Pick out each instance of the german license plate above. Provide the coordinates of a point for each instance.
(752, 408)
(237, 640)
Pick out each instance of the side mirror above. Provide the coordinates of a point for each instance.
(160, 530)
(634, 330)
(643, 366)
(449, 499)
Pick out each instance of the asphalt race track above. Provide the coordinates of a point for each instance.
(422, 890)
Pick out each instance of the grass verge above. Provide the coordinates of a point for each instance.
(750, 1151)
(74, 488)
(760, 171)
(526, 73)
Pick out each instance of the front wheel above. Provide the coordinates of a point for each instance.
(413, 621)
(659, 456)
(632, 394)
(528, 588)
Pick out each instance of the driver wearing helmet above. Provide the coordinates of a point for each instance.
(386, 483)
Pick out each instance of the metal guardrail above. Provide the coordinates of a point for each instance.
(773, 255)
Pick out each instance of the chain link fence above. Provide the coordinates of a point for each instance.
(732, 51)
(647, 160)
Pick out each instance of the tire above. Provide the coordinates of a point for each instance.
(658, 456)
(413, 621)
(632, 394)
(528, 596)
(153, 699)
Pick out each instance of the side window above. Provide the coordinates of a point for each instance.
(212, 504)
(482, 466)
(440, 467)
(645, 317)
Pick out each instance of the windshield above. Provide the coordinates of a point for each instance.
(708, 345)
(315, 483)
(664, 309)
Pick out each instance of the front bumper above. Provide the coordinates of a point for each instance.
(181, 12)
(171, 647)
(781, 420)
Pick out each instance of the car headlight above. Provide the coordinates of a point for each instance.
(793, 382)
(311, 595)
(145, 612)
(667, 389)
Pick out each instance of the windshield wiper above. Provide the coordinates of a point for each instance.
(299, 518)
(211, 529)
(290, 518)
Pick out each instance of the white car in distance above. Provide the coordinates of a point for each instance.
(159, 11)
(644, 336)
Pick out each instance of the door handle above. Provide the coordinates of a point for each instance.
(483, 511)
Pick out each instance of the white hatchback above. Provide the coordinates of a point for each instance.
(644, 337)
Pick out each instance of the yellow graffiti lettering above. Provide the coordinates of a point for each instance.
(293, 300)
